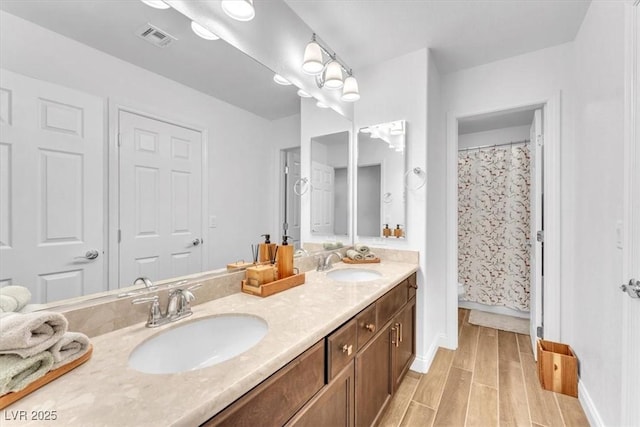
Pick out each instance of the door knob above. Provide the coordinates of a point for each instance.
(92, 254)
(632, 288)
(196, 242)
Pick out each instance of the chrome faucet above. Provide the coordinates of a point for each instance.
(178, 307)
(147, 283)
(324, 264)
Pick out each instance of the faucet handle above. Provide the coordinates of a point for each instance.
(155, 314)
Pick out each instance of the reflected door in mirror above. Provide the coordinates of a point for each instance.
(51, 180)
(322, 198)
(160, 199)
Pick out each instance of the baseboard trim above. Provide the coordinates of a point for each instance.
(588, 406)
(496, 309)
(423, 363)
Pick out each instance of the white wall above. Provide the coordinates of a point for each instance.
(495, 136)
(237, 148)
(592, 301)
(396, 90)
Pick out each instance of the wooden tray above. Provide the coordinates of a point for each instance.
(273, 287)
(348, 260)
(9, 398)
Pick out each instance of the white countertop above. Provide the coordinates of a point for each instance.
(106, 392)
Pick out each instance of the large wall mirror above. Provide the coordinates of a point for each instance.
(147, 150)
(381, 165)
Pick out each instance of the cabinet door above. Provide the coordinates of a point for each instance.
(333, 406)
(404, 342)
(373, 378)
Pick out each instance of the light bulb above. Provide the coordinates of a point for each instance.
(156, 4)
(321, 105)
(281, 80)
(240, 10)
(350, 91)
(303, 94)
(333, 75)
(203, 32)
(312, 63)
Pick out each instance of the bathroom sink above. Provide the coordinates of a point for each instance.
(353, 275)
(199, 344)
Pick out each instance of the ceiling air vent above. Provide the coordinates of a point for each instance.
(155, 35)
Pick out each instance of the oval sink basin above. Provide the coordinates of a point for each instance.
(353, 275)
(198, 344)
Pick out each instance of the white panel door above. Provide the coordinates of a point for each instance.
(160, 199)
(322, 198)
(536, 307)
(293, 201)
(631, 242)
(51, 189)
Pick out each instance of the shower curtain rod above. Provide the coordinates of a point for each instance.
(524, 141)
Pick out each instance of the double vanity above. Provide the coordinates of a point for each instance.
(329, 352)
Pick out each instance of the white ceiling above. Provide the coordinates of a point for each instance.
(461, 33)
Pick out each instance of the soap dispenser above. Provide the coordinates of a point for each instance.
(398, 232)
(267, 249)
(285, 259)
(386, 231)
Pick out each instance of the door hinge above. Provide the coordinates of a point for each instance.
(286, 169)
(540, 236)
(119, 236)
(540, 140)
(119, 139)
(540, 331)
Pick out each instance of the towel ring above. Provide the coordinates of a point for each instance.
(420, 174)
(301, 186)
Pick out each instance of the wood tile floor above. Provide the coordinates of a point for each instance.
(490, 380)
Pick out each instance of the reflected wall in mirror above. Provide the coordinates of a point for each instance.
(155, 159)
(380, 176)
(330, 184)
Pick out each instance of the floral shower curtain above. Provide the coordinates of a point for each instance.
(494, 231)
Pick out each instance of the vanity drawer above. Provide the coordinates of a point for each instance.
(391, 302)
(367, 325)
(278, 398)
(413, 285)
(341, 348)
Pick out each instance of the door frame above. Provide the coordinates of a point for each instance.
(630, 342)
(282, 158)
(552, 213)
(115, 106)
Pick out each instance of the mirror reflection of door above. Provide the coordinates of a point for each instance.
(330, 184)
(51, 179)
(160, 199)
(290, 200)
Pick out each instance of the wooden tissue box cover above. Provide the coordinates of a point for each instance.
(261, 274)
(273, 287)
(557, 368)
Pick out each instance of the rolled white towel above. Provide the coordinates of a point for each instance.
(363, 249)
(70, 347)
(30, 333)
(370, 255)
(14, 298)
(16, 373)
(355, 255)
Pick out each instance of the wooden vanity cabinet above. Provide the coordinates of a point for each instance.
(347, 379)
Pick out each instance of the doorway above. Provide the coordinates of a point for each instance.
(500, 195)
(290, 206)
(547, 137)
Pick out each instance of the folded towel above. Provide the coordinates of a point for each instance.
(30, 333)
(329, 246)
(71, 346)
(355, 255)
(363, 249)
(16, 373)
(14, 298)
(370, 255)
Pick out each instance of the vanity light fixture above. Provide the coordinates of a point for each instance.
(329, 72)
(203, 32)
(303, 94)
(281, 80)
(240, 10)
(156, 4)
